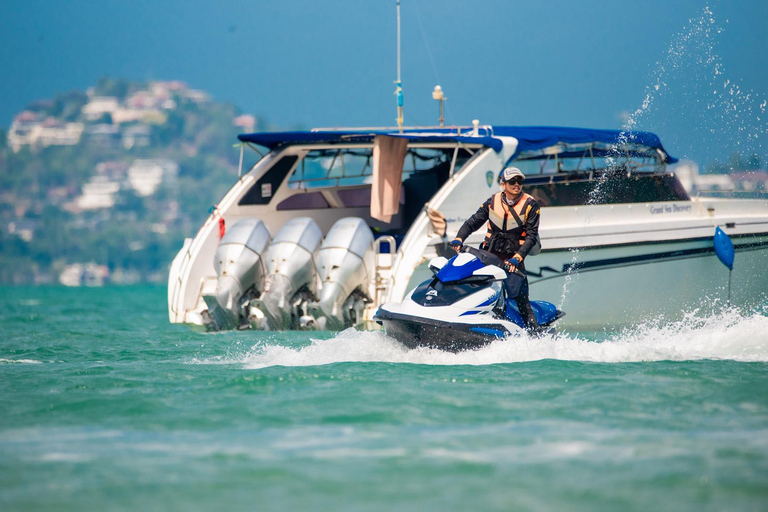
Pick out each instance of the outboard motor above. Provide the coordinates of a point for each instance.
(344, 263)
(291, 278)
(241, 272)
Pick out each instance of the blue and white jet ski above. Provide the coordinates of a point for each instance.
(462, 307)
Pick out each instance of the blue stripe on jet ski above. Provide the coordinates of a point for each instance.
(485, 330)
(472, 312)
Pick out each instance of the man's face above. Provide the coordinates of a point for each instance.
(513, 186)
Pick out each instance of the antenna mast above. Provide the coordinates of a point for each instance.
(399, 83)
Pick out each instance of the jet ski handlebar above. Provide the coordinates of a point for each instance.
(488, 258)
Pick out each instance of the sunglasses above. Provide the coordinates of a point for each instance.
(517, 180)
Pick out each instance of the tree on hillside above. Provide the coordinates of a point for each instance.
(42, 185)
(117, 87)
(68, 106)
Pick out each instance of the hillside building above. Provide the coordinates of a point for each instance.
(98, 193)
(27, 130)
(145, 175)
(98, 106)
(136, 136)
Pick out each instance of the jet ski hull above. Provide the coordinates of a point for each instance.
(414, 332)
(459, 309)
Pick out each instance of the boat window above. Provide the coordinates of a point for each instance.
(266, 186)
(601, 189)
(308, 201)
(333, 168)
(597, 175)
(347, 175)
(350, 167)
(589, 161)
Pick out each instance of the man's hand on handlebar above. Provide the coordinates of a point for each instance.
(511, 264)
(457, 245)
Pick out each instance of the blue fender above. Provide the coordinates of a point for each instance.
(724, 248)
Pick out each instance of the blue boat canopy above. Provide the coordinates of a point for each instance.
(532, 140)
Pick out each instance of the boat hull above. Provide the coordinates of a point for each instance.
(653, 281)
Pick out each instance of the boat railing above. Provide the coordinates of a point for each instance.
(586, 175)
(732, 194)
(487, 130)
(384, 263)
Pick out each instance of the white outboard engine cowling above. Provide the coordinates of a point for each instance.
(345, 264)
(291, 280)
(241, 271)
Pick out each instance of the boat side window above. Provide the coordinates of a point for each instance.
(551, 165)
(599, 176)
(265, 187)
(308, 201)
(347, 174)
(617, 189)
(323, 168)
(351, 167)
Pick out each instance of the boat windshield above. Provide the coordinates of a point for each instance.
(349, 167)
(585, 178)
(341, 177)
(575, 158)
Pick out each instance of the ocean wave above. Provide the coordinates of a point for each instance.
(19, 361)
(727, 335)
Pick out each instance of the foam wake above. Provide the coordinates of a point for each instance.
(724, 336)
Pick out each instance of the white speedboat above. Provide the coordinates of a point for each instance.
(329, 224)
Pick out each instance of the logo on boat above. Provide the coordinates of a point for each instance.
(489, 178)
(431, 294)
(669, 208)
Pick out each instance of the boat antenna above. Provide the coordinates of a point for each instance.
(399, 83)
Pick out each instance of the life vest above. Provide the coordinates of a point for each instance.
(499, 215)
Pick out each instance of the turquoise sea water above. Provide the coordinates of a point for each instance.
(106, 406)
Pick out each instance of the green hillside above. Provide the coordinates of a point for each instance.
(79, 179)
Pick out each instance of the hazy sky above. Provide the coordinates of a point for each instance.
(700, 67)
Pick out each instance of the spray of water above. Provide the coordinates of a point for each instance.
(729, 335)
(690, 74)
(569, 276)
(691, 83)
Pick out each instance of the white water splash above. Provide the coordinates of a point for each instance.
(569, 276)
(727, 335)
(19, 361)
(690, 82)
(695, 43)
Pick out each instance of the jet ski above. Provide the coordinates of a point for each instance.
(462, 307)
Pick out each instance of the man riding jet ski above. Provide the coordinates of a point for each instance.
(462, 307)
(512, 217)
